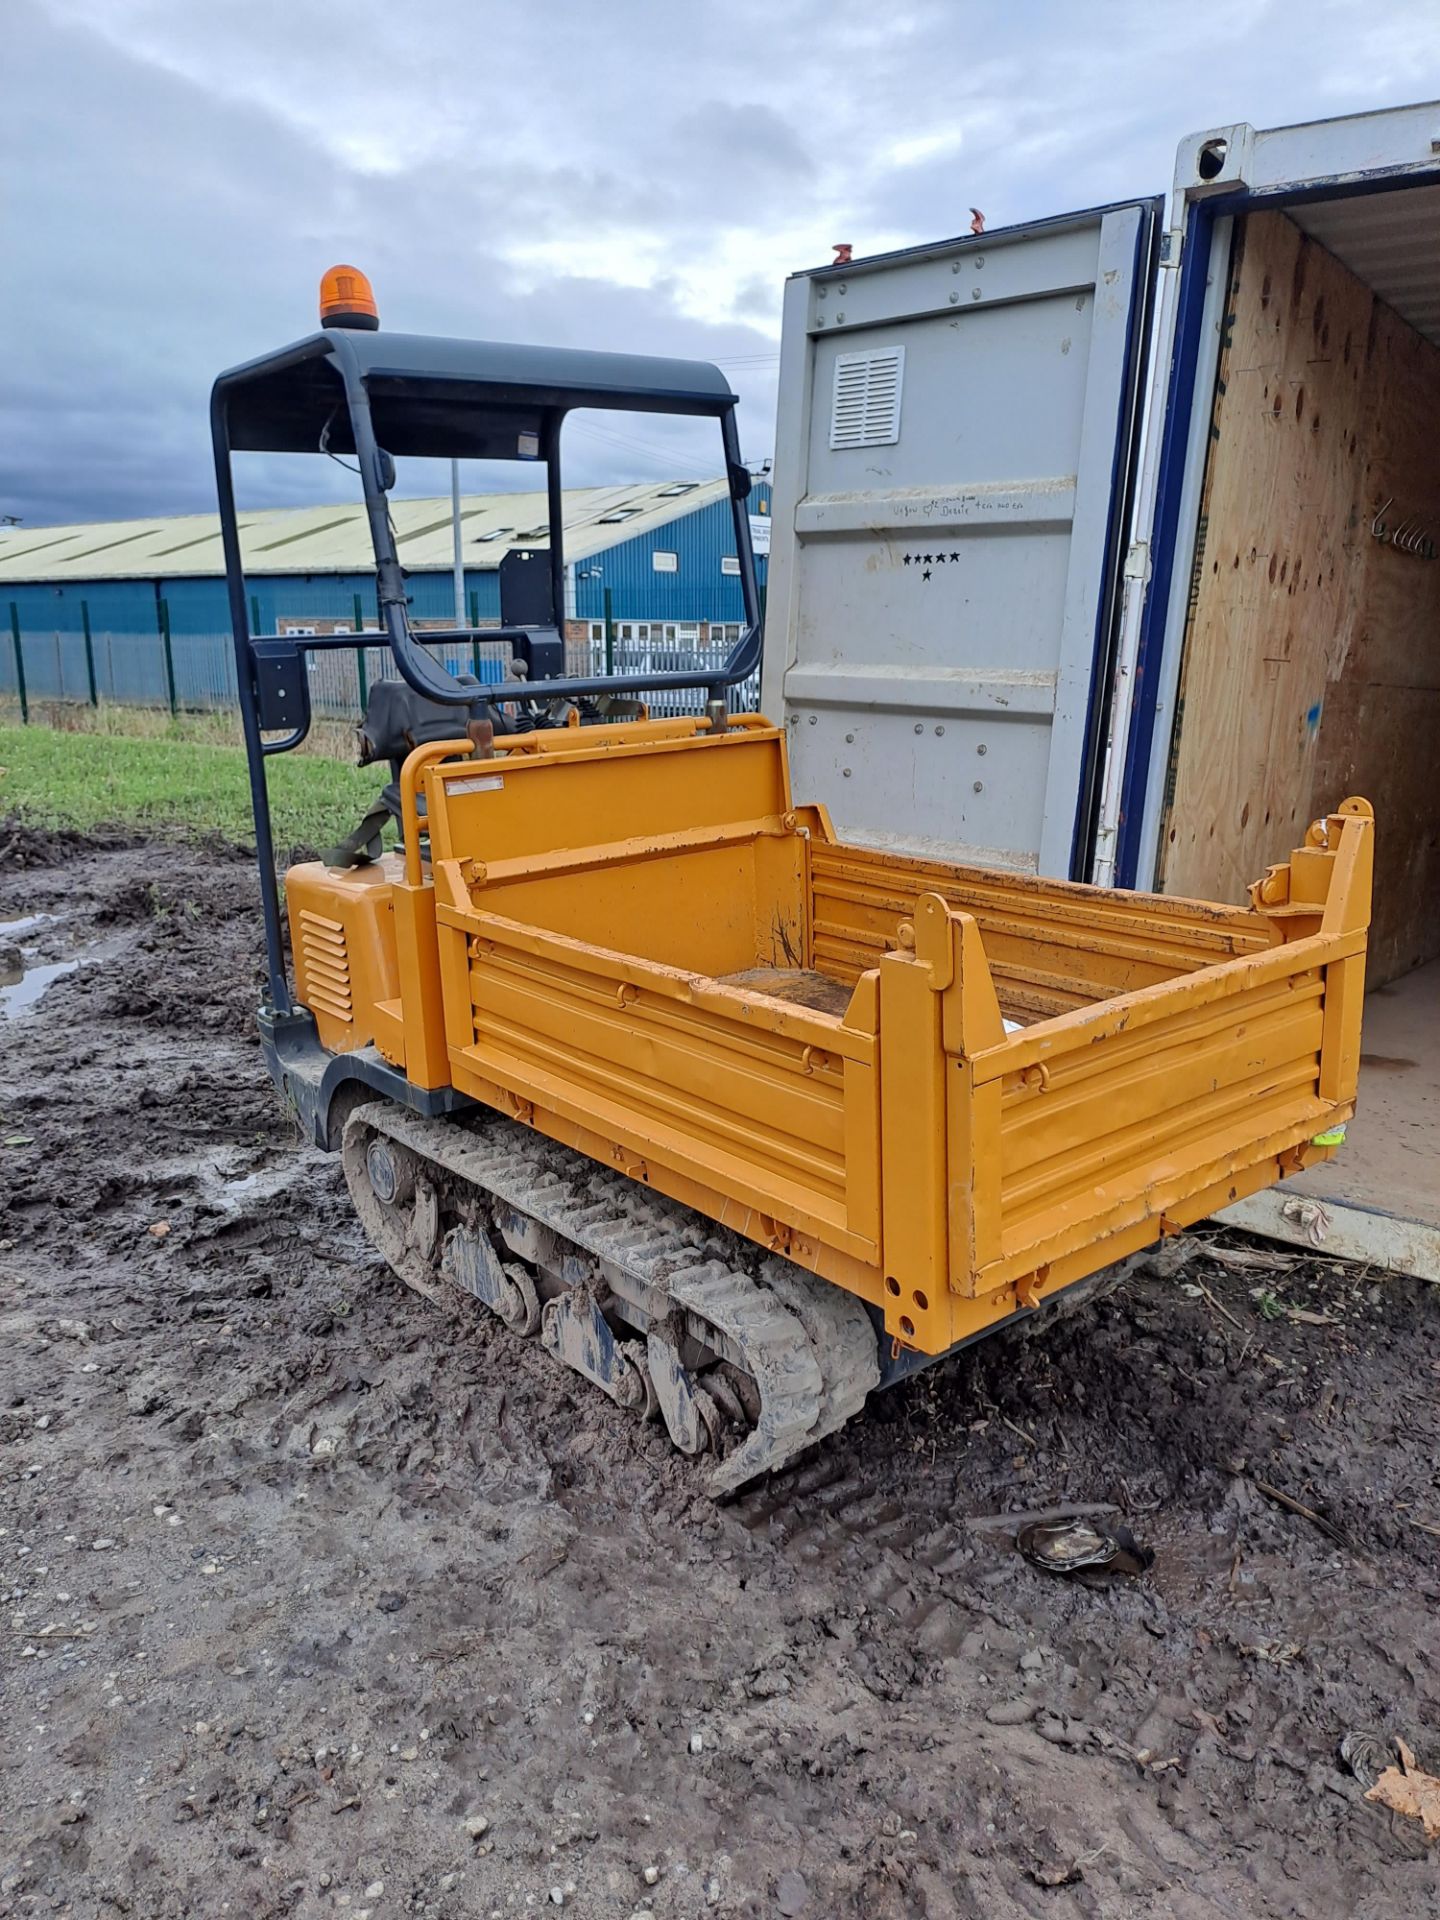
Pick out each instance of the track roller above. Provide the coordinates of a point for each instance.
(470, 1260)
(575, 1330)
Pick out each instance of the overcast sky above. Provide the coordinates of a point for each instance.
(637, 174)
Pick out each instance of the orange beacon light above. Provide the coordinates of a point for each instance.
(346, 300)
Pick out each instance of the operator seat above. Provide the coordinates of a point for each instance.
(396, 720)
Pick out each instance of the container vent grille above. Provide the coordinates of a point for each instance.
(325, 966)
(866, 411)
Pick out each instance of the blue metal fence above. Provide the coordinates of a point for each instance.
(195, 672)
(132, 669)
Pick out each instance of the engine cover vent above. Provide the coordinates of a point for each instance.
(325, 967)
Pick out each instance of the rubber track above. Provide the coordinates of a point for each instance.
(779, 1356)
(838, 1327)
(810, 1346)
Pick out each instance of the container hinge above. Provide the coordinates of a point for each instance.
(1172, 245)
(1137, 561)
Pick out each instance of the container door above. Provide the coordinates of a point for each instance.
(954, 457)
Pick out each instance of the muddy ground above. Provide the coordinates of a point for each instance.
(319, 1603)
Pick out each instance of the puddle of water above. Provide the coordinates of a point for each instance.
(14, 924)
(18, 996)
(240, 1194)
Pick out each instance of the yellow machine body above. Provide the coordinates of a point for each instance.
(950, 1090)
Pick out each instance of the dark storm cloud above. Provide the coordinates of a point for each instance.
(636, 175)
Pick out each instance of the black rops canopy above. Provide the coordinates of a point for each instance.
(378, 395)
(447, 399)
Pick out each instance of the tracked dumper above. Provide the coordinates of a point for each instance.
(739, 1121)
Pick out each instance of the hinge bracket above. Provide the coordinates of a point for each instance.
(1172, 245)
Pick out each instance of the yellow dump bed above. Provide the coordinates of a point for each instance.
(948, 1089)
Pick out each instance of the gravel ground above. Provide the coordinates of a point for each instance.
(320, 1602)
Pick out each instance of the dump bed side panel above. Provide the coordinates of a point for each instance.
(728, 1088)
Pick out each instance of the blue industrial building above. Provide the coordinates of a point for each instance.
(137, 610)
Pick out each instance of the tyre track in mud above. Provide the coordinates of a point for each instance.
(415, 1526)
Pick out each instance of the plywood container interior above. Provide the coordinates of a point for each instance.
(1311, 667)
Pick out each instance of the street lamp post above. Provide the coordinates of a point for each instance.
(461, 619)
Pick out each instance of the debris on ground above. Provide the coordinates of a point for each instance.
(1326, 1525)
(1367, 1755)
(1074, 1546)
(1408, 1789)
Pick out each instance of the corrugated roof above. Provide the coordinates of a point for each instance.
(336, 539)
(1391, 241)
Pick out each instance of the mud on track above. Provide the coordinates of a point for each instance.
(300, 1576)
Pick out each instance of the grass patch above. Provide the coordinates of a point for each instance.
(217, 727)
(175, 785)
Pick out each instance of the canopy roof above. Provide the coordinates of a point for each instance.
(447, 399)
